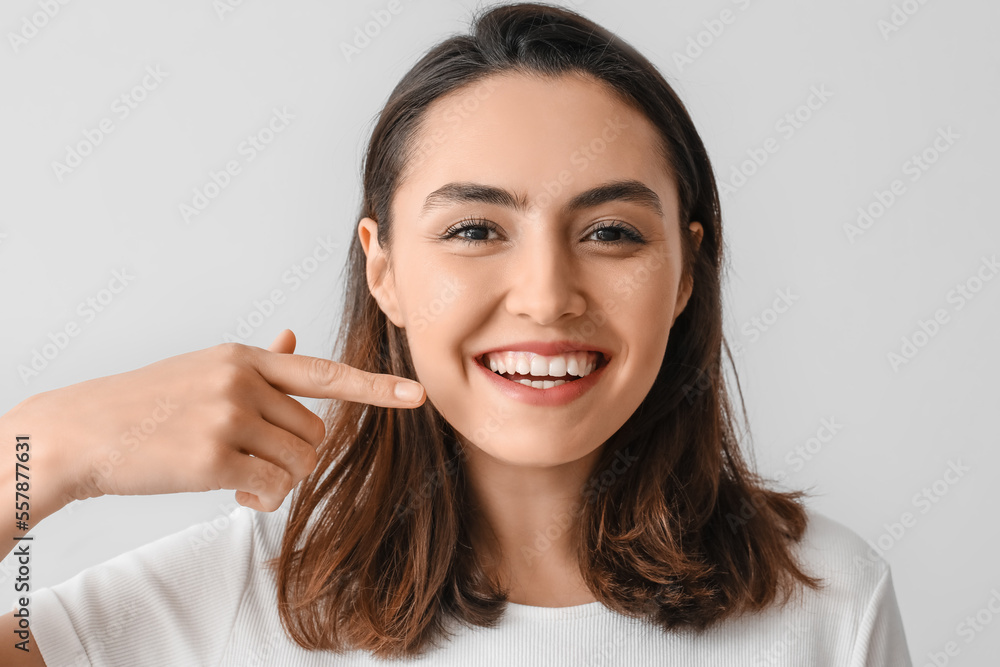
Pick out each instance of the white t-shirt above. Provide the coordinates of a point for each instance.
(203, 597)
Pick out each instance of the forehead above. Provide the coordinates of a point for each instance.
(536, 134)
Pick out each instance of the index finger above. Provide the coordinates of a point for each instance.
(301, 375)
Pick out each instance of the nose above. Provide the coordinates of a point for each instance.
(544, 281)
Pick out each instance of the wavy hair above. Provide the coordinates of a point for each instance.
(375, 554)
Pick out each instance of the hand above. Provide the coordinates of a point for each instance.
(217, 418)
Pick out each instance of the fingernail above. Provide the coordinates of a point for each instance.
(408, 391)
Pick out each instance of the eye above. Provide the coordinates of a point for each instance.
(478, 225)
(615, 227)
(478, 231)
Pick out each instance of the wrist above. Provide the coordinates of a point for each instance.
(45, 466)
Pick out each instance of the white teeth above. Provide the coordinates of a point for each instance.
(577, 364)
(543, 384)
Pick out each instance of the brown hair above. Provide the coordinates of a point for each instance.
(376, 555)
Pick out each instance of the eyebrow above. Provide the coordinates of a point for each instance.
(628, 190)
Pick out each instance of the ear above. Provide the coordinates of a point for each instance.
(381, 281)
(687, 285)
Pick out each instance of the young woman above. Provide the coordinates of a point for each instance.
(540, 245)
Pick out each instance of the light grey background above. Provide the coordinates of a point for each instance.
(888, 93)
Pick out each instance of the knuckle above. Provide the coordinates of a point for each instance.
(377, 387)
(305, 459)
(324, 372)
(372, 385)
(278, 479)
(288, 455)
(229, 350)
(257, 484)
(227, 376)
(281, 482)
(215, 458)
(311, 459)
(227, 420)
(294, 456)
(319, 431)
(300, 461)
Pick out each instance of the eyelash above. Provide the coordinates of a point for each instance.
(631, 236)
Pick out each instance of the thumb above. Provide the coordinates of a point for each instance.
(284, 343)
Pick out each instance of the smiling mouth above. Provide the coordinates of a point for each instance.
(544, 381)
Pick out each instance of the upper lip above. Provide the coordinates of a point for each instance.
(546, 348)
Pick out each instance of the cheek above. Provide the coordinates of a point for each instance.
(640, 308)
(432, 305)
(643, 297)
(430, 291)
(438, 317)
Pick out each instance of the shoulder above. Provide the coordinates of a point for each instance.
(852, 619)
(853, 572)
(834, 546)
(187, 588)
(856, 611)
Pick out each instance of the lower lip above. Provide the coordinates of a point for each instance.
(552, 396)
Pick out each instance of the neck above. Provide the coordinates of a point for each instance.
(526, 522)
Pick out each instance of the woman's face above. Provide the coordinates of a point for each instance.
(534, 268)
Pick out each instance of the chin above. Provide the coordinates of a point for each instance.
(532, 451)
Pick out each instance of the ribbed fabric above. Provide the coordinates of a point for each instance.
(203, 597)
